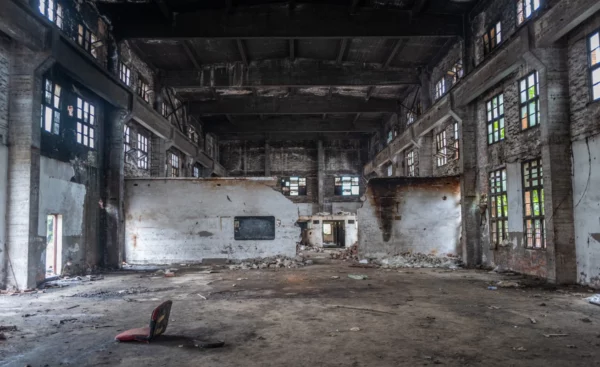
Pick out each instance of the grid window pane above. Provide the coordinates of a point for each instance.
(498, 206)
(533, 202)
(346, 186)
(530, 101)
(51, 105)
(441, 149)
(410, 164)
(594, 57)
(85, 122)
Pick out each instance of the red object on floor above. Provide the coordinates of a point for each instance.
(158, 325)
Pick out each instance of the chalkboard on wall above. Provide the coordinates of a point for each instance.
(254, 228)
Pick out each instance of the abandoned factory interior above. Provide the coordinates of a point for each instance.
(299, 183)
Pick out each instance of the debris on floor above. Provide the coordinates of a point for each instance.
(419, 260)
(271, 263)
(507, 284)
(595, 299)
(8, 328)
(350, 253)
(67, 281)
(355, 329)
(358, 276)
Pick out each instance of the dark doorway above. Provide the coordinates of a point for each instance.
(334, 233)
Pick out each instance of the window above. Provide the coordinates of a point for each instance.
(456, 141)
(440, 88)
(173, 164)
(196, 171)
(164, 110)
(142, 151)
(498, 207)
(441, 149)
(143, 90)
(124, 73)
(51, 107)
(419, 109)
(210, 148)
(293, 186)
(390, 170)
(409, 158)
(346, 186)
(533, 202)
(53, 10)
(456, 72)
(495, 119)
(530, 101)
(86, 120)
(410, 117)
(87, 40)
(390, 136)
(193, 135)
(594, 47)
(492, 38)
(525, 9)
(126, 140)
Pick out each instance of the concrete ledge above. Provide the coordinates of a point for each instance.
(146, 116)
(21, 26)
(561, 19)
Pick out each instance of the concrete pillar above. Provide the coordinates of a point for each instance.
(425, 156)
(115, 187)
(321, 175)
(158, 158)
(25, 248)
(267, 159)
(425, 91)
(471, 250)
(551, 64)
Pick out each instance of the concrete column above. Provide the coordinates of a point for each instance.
(115, 188)
(425, 91)
(267, 159)
(321, 175)
(24, 264)
(425, 156)
(471, 250)
(158, 158)
(551, 64)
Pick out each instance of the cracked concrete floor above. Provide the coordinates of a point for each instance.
(304, 317)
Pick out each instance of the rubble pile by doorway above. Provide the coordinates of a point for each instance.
(271, 263)
(350, 253)
(420, 260)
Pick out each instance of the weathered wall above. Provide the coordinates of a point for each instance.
(314, 234)
(396, 217)
(4, 75)
(188, 220)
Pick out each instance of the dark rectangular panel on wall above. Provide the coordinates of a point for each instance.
(254, 228)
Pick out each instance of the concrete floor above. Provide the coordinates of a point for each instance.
(304, 317)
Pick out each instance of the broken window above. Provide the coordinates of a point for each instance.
(87, 39)
(390, 170)
(293, 186)
(124, 73)
(441, 149)
(440, 88)
(410, 117)
(52, 10)
(143, 90)
(142, 151)
(498, 207)
(495, 119)
(346, 186)
(530, 100)
(456, 142)
(86, 121)
(193, 135)
(533, 204)
(390, 136)
(525, 9)
(492, 38)
(409, 158)
(196, 171)
(126, 140)
(51, 107)
(173, 164)
(594, 48)
(456, 72)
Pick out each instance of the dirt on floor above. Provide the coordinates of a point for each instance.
(310, 316)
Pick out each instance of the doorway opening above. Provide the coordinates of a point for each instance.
(53, 245)
(334, 233)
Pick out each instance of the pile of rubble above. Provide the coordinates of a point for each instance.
(350, 253)
(271, 263)
(300, 248)
(419, 260)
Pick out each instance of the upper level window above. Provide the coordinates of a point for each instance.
(209, 146)
(173, 164)
(164, 110)
(87, 39)
(594, 48)
(390, 170)
(525, 9)
(293, 186)
(495, 119)
(346, 186)
(196, 171)
(456, 72)
(529, 88)
(142, 151)
(441, 149)
(390, 136)
(52, 10)
(409, 158)
(126, 139)
(492, 38)
(410, 117)
(143, 90)
(440, 88)
(456, 143)
(419, 109)
(193, 135)
(86, 122)
(124, 73)
(51, 107)
(533, 204)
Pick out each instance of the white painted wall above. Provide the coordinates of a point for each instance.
(3, 201)
(315, 231)
(586, 203)
(187, 220)
(423, 220)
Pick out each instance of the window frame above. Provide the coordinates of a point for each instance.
(174, 170)
(529, 100)
(409, 158)
(596, 67)
(53, 107)
(340, 185)
(54, 15)
(491, 119)
(529, 187)
(143, 150)
(125, 73)
(457, 71)
(521, 9)
(196, 171)
(441, 148)
(293, 186)
(410, 117)
(86, 39)
(126, 139)
(498, 190)
(143, 89)
(390, 136)
(85, 130)
(440, 88)
(390, 170)
(493, 41)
